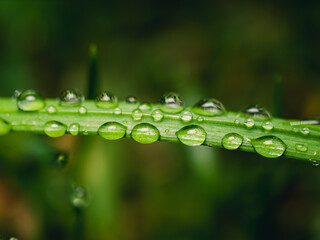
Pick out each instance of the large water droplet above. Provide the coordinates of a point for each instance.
(305, 131)
(192, 135)
(131, 99)
(157, 115)
(29, 101)
(186, 116)
(106, 100)
(145, 133)
(171, 103)
(269, 146)
(232, 141)
(112, 130)
(209, 107)
(79, 197)
(301, 147)
(256, 112)
(5, 127)
(54, 129)
(74, 128)
(71, 98)
(136, 115)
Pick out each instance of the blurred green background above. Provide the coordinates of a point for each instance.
(229, 50)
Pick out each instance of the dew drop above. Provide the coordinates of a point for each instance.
(144, 107)
(301, 147)
(16, 94)
(167, 131)
(171, 103)
(117, 111)
(112, 130)
(62, 159)
(249, 123)
(186, 116)
(209, 107)
(29, 101)
(74, 129)
(71, 98)
(5, 127)
(305, 131)
(51, 109)
(131, 99)
(314, 162)
(256, 112)
(267, 125)
(106, 100)
(79, 197)
(232, 141)
(13, 238)
(136, 114)
(269, 146)
(200, 119)
(145, 133)
(157, 115)
(83, 110)
(192, 135)
(54, 129)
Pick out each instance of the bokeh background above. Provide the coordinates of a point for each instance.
(229, 50)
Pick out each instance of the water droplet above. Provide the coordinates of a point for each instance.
(71, 98)
(167, 131)
(249, 123)
(79, 197)
(269, 146)
(301, 147)
(145, 107)
(112, 130)
(54, 129)
(145, 133)
(131, 99)
(192, 135)
(74, 129)
(267, 125)
(62, 159)
(305, 131)
(106, 100)
(136, 115)
(5, 127)
(306, 122)
(16, 94)
(314, 162)
(256, 112)
(51, 109)
(117, 111)
(237, 122)
(171, 103)
(186, 116)
(29, 101)
(200, 119)
(13, 238)
(157, 115)
(232, 141)
(83, 110)
(209, 107)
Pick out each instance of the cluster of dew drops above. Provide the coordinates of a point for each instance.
(171, 103)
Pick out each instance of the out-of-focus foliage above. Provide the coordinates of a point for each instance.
(230, 50)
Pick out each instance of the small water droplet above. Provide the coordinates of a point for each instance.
(13, 238)
(305, 131)
(5, 127)
(269, 146)
(171, 103)
(267, 125)
(16, 94)
(137, 114)
(117, 111)
(200, 119)
(192, 135)
(74, 129)
(232, 141)
(157, 115)
(131, 99)
(62, 159)
(167, 131)
(209, 107)
(106, 100)
(314, 162)
(301, 147)
(71, 98)
(83, 110)
(54, 129)
(249, 123)
(256, 112)
(30, 101)
(112, 130)
(144, 107)
(145, 133)
(237, 122)
(186, 116)
(79, 197)
(51, 109)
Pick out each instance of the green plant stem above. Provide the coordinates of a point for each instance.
(289, 131)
